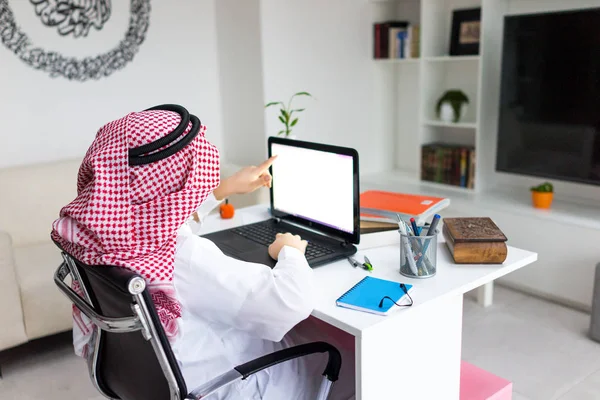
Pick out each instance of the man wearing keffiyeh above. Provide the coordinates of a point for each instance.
(140, 182)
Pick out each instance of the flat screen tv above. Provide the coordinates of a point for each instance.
(549, 122)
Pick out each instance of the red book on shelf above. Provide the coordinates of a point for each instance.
(377, 205)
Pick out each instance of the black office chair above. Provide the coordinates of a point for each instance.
(132, 358)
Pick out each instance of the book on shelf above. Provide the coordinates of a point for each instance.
(449, 164)
(396, 40)
(383, 206)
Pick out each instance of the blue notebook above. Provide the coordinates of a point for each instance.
(367, 294)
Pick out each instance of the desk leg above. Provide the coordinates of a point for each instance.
(414, 357)
(485, 294)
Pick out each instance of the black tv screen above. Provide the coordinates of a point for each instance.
(549, 122)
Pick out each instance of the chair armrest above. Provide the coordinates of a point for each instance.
(243, 371)
(332, 369)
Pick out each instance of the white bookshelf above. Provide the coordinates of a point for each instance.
(451, 58)
(460, 125)
(415, 61)
(418, 88)
(503, 197)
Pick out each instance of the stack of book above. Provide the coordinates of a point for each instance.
(449, 164)
(380, 210)
(395, 39)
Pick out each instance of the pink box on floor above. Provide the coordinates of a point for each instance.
(479, 384)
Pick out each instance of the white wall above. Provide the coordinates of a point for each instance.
(44, 118)
(241, 84)
(211, 56)
(324, 47)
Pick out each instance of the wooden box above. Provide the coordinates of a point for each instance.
(475, 240)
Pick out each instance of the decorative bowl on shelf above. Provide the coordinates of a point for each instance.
(542, 195)
(452, 106)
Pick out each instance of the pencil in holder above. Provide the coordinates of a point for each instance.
(418, 255)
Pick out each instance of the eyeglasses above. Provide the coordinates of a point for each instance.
(403, 287)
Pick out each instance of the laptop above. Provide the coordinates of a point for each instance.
(314, 194)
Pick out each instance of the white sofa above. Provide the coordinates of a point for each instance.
(31, 197)
(31, 306)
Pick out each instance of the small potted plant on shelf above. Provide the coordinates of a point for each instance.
(452, 106)
(286, 114)
(542, 195)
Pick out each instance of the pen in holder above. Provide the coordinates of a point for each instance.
(418, 255)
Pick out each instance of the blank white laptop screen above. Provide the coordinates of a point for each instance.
(315, 185)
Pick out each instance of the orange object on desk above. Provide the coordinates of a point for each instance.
(414, 205)
(227, 211)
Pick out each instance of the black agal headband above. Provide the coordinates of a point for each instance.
(147, 153)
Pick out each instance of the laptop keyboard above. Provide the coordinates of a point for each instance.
(265, 235)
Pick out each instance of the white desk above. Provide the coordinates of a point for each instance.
(415, 352)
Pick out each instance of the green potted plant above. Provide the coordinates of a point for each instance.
(452, 106)
(286, 114)
(542, 195)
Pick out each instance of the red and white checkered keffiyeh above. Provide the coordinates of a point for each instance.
(128, 216)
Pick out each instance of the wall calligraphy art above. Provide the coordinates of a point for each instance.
(75, 19)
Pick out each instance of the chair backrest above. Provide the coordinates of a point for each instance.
(128, 365)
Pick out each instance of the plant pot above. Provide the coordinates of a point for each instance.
(447, 112)
(541, 199)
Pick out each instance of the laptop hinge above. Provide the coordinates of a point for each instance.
(304, 227)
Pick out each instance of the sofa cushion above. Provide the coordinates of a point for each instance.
(11, 313)
(32, 197)
(46, 310)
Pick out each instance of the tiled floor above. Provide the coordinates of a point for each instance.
(45, 369)
(541, 347)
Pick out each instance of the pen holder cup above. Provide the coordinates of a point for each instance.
(418, 255)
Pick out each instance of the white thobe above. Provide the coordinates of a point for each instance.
(235, 311)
